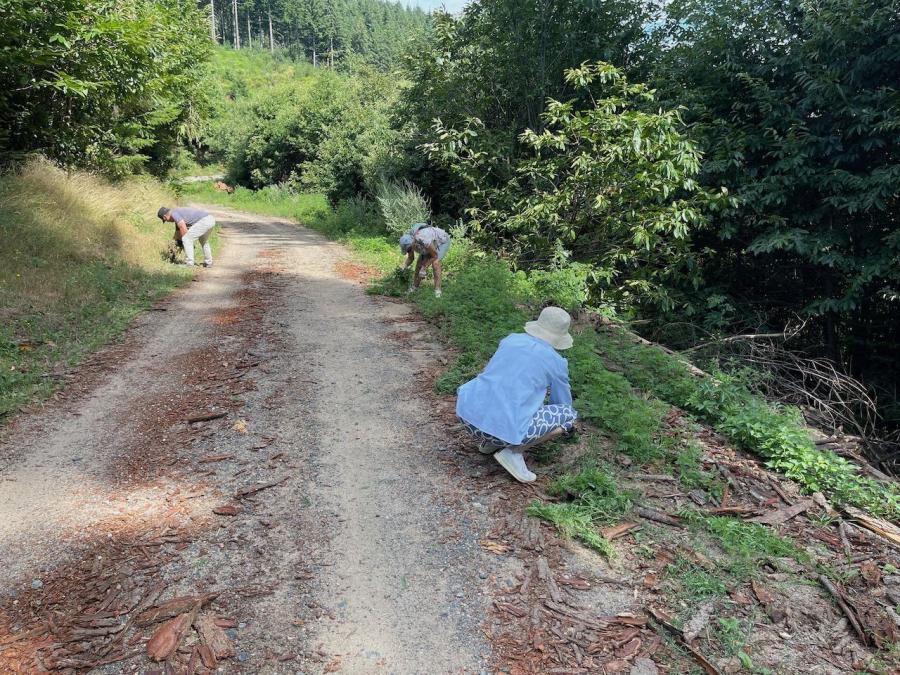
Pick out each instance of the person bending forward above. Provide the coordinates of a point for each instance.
(506, 406)
(190, 225)
(432, 244)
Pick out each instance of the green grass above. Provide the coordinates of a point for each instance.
(79, 259)
(593, 498)
(775, 433)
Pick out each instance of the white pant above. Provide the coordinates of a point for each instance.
(199, 231)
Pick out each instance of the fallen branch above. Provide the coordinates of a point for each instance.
(705, 663)
(887, 532)
(845, 608)
(205, 418)
(659, 517)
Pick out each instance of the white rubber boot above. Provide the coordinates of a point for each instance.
(514, 462)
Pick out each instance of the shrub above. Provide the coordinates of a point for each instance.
(402, 205)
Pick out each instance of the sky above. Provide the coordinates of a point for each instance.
(451, 5)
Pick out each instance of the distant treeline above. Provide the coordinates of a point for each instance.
(320, 30)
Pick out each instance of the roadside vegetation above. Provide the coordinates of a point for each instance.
(80, 257)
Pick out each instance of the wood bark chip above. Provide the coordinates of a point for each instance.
(214, 637)
(871, 573)
(780, 516)
(762, 593)
(546, 575)
(206, 417)
(844, 531)
(253, 489)
(494, 546)
(659, 517)
(172, 608)
(615, 531)
(226, 510)
(167, 638)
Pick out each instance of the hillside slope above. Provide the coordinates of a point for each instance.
(79, 257)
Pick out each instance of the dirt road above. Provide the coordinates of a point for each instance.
(348, 541)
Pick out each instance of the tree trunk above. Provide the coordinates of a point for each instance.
(212, 20)
(249, 34)
(271, 39)
(237, 31)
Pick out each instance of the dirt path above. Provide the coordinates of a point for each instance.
(359, 554)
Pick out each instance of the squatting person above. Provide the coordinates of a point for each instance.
(506, 406)
(432, 244)
(190, 225)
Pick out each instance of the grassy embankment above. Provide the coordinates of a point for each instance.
(484, 300)
(79, 258)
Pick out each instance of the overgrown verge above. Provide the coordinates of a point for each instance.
(79, 258)
(485, 299)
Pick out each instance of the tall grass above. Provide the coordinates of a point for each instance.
(79, 257)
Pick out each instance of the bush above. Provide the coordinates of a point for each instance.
(564, 287)
(402, 205)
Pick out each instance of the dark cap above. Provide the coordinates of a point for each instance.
(162, 213)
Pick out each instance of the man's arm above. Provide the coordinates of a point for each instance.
(181, 228)
(409, 259)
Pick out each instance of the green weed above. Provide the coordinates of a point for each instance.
(733, 634)
(775, 433)
(594, 498)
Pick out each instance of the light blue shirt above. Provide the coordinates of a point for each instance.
(504, 398)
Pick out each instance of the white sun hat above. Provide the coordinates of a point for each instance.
(552, 326)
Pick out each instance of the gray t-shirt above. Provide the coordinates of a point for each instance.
(188, 215)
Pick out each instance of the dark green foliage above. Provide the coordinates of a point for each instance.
(100, 85)
(797, 108)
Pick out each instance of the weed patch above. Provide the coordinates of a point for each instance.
(774, 432)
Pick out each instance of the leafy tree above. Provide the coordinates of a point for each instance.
(608, 182)
(796, 104)
(99, 85)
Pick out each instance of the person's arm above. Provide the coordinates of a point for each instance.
(181, 228)
(409, 259)
(560, 391)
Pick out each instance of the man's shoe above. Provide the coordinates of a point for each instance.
(514, 462)
(185, 264)
(423, 273)
(437, 294)
(208, 264)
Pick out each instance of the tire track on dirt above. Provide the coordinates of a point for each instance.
(364, 557)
